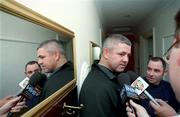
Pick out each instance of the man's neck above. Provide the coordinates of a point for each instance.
(101, 62)
(61, 62)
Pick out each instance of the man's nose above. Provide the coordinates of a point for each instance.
(39, 61)
(151, 73)
(126, 58)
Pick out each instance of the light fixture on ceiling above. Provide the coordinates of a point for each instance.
(122, 29)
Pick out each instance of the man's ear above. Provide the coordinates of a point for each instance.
(57, 55)
(106, 53)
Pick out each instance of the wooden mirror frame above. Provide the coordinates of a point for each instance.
(16, 9)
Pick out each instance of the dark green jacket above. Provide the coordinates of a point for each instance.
(57, 80)
(99, 94)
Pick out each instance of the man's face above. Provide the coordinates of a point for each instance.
(174, 69)
(31, 69)
(118, 57)
(47, 61)
(155, 72)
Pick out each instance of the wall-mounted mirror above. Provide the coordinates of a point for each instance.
(21, 31)
(95, 51)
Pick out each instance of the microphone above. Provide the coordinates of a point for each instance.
(24, 82)
(123, 78)
(32, 89)
(36, 83)
(132, 76)
(140, 85)
(126, 91)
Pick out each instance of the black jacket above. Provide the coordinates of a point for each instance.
(57, 80)
(99, 94)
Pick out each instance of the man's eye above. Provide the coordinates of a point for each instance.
(41, 57)
(157, 70)
(29, 72)
(121, 54)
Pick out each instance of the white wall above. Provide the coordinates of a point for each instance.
(79, 16)
(21, 30)
(162, 19)
(1, 90)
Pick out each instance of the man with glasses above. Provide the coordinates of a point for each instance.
(173, 54)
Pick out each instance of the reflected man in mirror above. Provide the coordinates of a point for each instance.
(99, 93)
(52, 59)
(30, 68)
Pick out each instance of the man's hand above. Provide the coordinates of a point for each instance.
(164, 110)
(12, 106)
(140, 111)
(5, 100)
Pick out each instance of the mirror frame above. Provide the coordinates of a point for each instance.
(14, 8)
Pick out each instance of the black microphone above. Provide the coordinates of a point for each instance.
(32, 89)
(123, 78)
(132, 75)
(35, 84)
(126, 91)
(140, 84)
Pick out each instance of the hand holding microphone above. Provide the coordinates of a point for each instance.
(139, 110)
(32, 89)
(126, 91)
(9, 106)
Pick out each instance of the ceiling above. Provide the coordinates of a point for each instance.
(124, 15)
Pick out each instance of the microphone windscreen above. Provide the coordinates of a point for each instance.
(123, 78)
(132, 75)
(37, 79)
(128, 92)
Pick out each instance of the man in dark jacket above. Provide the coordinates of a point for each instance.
(51, 57)
(99, 93)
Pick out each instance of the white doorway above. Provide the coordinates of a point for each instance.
(146, 50)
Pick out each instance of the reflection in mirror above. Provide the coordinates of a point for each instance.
(67, 45)
(95, 51)
(19, 40)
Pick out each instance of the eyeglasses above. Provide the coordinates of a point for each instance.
(167, 53)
